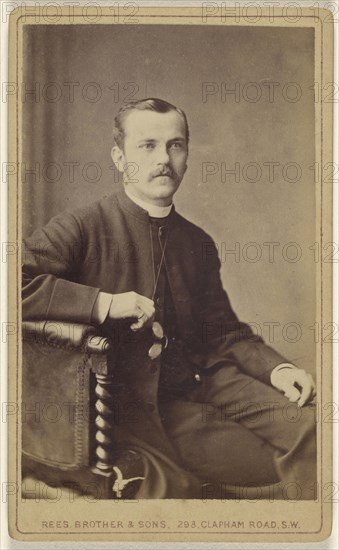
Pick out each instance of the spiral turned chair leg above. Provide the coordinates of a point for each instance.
(104, 431)
(120, 475)
(104, 422)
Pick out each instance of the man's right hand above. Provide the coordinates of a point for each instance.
(131, 304)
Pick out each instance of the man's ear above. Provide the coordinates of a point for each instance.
(118, 158)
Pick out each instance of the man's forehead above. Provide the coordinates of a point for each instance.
(153, 125)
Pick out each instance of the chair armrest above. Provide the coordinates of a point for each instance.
(71, 336)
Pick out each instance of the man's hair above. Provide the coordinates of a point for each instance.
(148, 104)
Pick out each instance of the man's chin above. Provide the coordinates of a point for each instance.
(156, 191)
(164, 186)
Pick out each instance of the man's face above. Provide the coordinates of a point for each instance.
(154, 156)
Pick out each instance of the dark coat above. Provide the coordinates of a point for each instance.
(106, 246)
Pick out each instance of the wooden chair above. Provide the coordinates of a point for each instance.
(68, 412)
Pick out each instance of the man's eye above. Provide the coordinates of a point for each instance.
(146, 146)
(176, 145)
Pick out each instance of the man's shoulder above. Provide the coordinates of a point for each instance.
(194, 230)
(101, 207)
(86, 217)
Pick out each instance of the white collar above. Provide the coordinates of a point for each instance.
(153, 210)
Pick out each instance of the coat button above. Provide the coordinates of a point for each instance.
(150, 407)
(158, 301)
(197, 377)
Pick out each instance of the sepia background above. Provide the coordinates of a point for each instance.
(76, 77)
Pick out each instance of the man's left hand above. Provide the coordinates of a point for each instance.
(297, 384)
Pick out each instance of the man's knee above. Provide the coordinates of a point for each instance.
(307, 421)
(299, 417)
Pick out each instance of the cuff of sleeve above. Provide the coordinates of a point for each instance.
(282, 366)
(101, 307)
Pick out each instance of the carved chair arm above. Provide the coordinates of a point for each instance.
(71, 336)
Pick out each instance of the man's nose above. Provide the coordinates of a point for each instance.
(162, 155)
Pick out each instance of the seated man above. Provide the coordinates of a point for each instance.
(210, 396)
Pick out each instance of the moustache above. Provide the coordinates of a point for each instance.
(163, 172)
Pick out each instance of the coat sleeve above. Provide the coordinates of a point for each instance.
(224, 336)
(51, 258)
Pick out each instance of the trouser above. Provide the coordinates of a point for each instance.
(231, 430)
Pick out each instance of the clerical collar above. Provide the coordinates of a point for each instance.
(153, 210)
